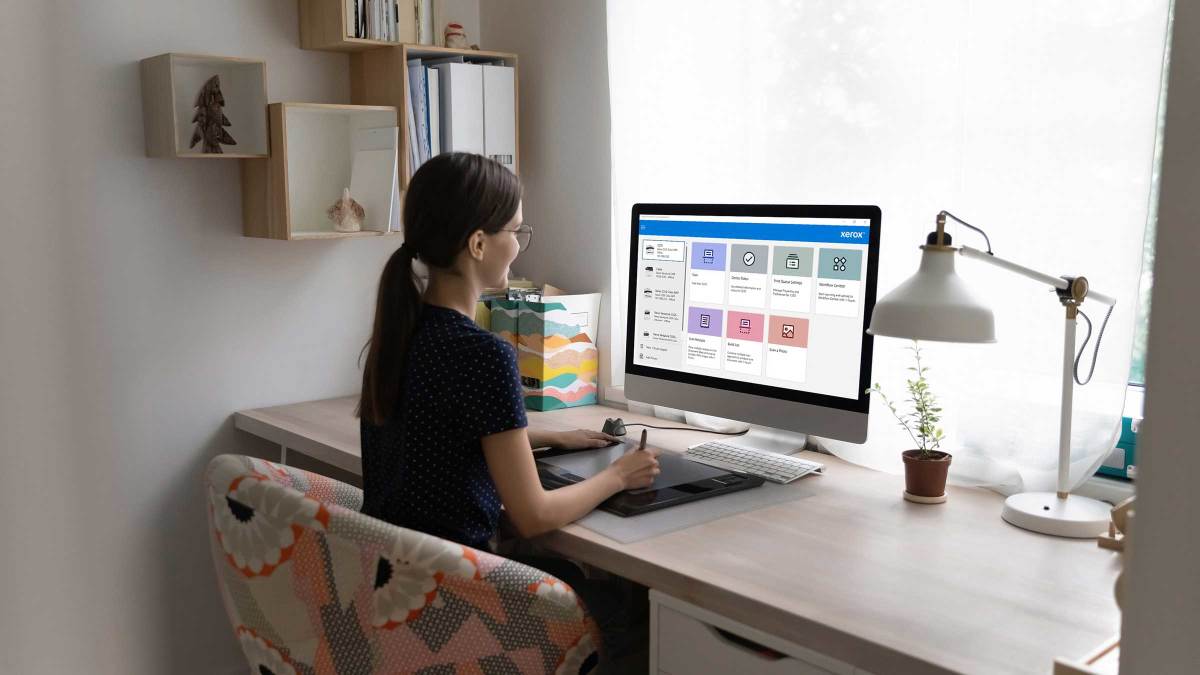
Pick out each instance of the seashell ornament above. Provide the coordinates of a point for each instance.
(347, 215)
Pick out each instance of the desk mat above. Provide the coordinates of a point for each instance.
(647, 525)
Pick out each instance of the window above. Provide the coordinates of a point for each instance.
(1141, 329)
(1035, 121)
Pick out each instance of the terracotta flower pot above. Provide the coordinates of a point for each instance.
(925, 479)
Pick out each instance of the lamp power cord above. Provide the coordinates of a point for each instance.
(1095, 350)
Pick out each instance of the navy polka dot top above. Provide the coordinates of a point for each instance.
(424, 469)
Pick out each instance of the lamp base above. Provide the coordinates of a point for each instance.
(1075, 516)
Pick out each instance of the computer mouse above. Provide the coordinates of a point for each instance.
(614, 426)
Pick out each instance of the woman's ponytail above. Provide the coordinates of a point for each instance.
(397, 306)
(448, 198)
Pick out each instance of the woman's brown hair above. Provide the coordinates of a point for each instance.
(451, 196)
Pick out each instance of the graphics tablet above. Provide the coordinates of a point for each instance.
(681, 480)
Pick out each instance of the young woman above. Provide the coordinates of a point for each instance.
(444, 437)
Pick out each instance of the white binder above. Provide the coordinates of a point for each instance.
(499, 114)
(461, 87)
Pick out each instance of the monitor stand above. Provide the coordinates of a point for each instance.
(767, 439)
(771, 440)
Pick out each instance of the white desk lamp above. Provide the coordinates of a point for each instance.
(935, 304)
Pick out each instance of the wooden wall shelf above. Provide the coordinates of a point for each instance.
(325, 25)
(297, 157)
(380, 77)
(286, 195)
(170, 84)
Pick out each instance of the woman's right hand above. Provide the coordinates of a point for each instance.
(636, 468)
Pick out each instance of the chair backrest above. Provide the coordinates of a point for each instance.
(312, 586)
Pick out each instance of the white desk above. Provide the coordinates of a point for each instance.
(855, 573)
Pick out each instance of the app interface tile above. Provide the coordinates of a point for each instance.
(771, 301)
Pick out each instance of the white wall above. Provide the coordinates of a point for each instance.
(565, 153)
(1162, 618)
(134, 318)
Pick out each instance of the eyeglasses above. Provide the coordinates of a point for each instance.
(524, 235)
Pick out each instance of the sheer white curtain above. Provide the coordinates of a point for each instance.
(1034, 120)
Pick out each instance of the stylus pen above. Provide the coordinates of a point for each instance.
(642, 443)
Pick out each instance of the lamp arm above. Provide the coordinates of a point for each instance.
(1058, 283)
(1071, 292)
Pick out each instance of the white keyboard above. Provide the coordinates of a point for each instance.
(772, 466)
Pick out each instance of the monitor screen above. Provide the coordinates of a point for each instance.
(766, 300)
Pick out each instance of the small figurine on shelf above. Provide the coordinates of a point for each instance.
(456, 37)
(347, 215)
(210, 119)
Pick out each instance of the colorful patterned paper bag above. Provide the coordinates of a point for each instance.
(556, 347)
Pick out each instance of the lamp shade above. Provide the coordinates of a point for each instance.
(934, 304)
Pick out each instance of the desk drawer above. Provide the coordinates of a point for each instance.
(680, 642)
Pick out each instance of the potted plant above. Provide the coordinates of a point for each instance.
(925, 467)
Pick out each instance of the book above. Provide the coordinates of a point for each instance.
(428, 140)
(435, 112)
(438, 17)
(419, 93)
(411, 123)
(425, 25)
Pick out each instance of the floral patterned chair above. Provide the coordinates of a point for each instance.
(313, 586)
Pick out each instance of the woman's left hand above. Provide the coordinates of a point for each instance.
(581, 438)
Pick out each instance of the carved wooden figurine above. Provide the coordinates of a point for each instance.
(1122, 516)
(210, 118)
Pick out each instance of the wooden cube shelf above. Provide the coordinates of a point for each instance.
(171, 84)
(328, 25)
(380, 77)
(286, 195)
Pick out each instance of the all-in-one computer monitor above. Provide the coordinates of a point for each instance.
(756, 313)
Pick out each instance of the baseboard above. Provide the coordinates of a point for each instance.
(1111, 490)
